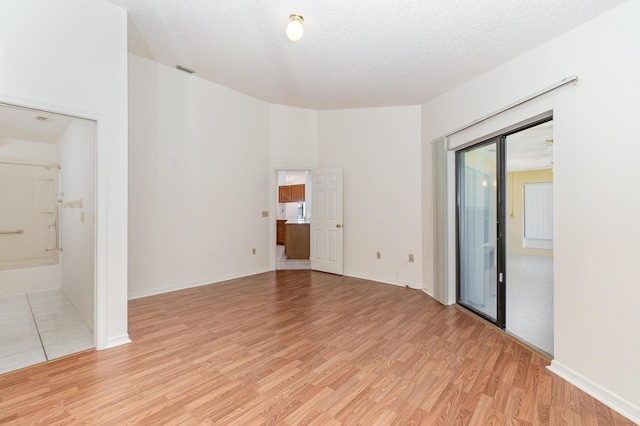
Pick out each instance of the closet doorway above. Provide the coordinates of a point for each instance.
(504, 230)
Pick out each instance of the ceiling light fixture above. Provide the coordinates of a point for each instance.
(295, 30)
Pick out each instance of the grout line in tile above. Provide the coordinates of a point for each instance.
(37, 329)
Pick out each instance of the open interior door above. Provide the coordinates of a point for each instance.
(326, 221)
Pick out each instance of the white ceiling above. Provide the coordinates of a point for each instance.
(21, 123)
(354, 53)
(531, 149)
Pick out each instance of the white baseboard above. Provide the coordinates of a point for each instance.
(114, 341)
(613, 401)
(182, 286)
(384, 280)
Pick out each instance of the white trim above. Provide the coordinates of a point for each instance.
(274, 208)
(384, 280)
(428, 292)
(114, 341)
(613, 401)
(101, 338)
(192, 284)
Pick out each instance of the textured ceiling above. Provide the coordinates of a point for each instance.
(354, 53)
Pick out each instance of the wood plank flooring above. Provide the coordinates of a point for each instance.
(300, 347)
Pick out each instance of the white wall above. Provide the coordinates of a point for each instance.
(293, 134)
(76, 154)
(70, 56)
(379, 150)
(17, 150)
(199, 181)
(596, 153)
(294, 137)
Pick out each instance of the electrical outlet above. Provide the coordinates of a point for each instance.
(253, 251)
(410, 258)
(265, 213)
(377, 255)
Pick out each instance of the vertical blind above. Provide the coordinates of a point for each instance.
(439, 206)
(538, 211)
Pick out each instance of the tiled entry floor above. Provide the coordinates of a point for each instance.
(39, 326)
(283, 262)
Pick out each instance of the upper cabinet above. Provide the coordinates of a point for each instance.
(291, 193)
(297, 192)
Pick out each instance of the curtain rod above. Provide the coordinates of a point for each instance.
(563, 82)
(48, 167)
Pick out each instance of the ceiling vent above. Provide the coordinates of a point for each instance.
(185, 69)
(41, 118)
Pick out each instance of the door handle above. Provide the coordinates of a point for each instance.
(338, 226)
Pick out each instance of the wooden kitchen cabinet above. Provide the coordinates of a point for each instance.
(297, 192)
(284, 194)
(280, 231)
(291, 193)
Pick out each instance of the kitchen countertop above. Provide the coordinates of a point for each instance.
(297, 222)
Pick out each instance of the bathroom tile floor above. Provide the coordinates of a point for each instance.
(283, 262)
(39, 326)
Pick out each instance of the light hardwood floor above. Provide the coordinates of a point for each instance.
(300, 347)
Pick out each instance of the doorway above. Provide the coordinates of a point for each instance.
(293, 211)
(47, 256)
(504, 228)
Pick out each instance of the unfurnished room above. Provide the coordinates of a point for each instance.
(319, 213)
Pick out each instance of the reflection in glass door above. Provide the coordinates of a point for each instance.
(477, 227)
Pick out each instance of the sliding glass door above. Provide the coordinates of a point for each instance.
(480, 270)
(484, 172)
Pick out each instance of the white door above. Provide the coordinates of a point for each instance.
(326, 220)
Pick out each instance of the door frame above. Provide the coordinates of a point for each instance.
(101, 339)
(501, 194)
(274, 209)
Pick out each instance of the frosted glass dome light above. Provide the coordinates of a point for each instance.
(295, 30)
